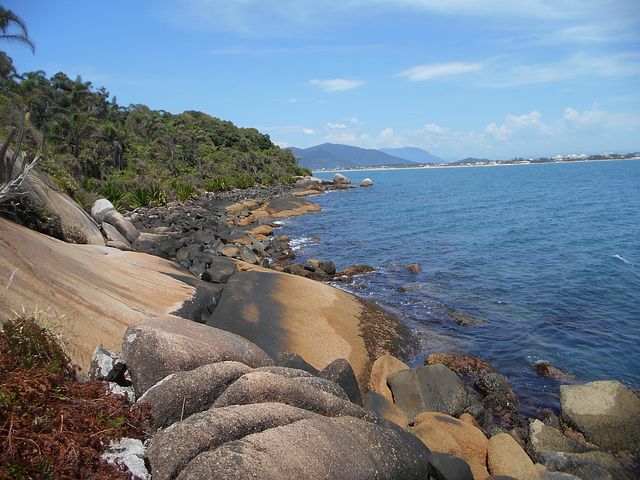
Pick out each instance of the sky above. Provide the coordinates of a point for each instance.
(491, 79)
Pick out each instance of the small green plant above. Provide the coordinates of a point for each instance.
(139, 197)
(89, 185)
(243, 181)
(158, 197)
(114, 194)
(185, 191)
(218, 184)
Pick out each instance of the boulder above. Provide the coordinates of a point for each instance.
(506, 457)
(260, 387)
(437, 439)
(181, 394)
(595, 465)
(311, 265)
(544, 437)
(327, 266)
(340, 372)
(317, 448)
(367, 182)
(386, 409)
(102, 362)
(220, 270)
(156, 347)
(172, 449)
(382, 367)
(281, 207)
(472, 441)
(128, 453)
(75, 225)
(112, 234)
(340, 179)
(124, 226)
(606, 412)
(432, 388)
(100, 208)
(413, 268)
(95, 292)
(448, 467)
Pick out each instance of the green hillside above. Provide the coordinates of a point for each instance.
(133, 155)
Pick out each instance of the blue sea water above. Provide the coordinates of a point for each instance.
(547, 254)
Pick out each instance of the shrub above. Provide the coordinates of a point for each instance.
(114, 193)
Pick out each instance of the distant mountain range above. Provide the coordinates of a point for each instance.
(335, 156)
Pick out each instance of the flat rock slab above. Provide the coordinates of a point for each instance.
(606, 412)
(281, 312)
(95, 292)
(290, 206)
(433, 388)
(156, 347)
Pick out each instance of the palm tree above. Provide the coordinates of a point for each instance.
(7, 19)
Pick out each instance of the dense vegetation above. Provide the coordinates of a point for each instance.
(133, 155)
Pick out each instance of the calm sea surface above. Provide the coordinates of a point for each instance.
(548, 255)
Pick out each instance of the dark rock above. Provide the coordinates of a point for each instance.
(156, 347)
(247, 255)
(464, 319)
(220, 270)
(327, 266)
(340, 372)
(296, 269)
(293, 360)
(448, 467)
(311, 265)
(317, 448)
(432, 388)
(116, 375)
(348, 273)
(182, 394)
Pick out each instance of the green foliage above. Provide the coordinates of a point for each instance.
(114, 193)
(184, 190)
(89, 140)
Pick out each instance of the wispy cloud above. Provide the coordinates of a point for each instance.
(431, 71)
(336, 84)
(336, 125)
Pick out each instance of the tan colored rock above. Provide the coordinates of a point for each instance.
(95, 292)
(473, 442)
(468, 418)
(383, 366)
(230, 251)
(281, 207)
(243, 221)
(506, 457)
(478, 471)
(438, 439)
(261, 230)
(384, 407)
(235, 208)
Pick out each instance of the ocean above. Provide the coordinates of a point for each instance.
(545, 257)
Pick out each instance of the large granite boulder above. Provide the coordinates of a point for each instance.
(433, 388)
(506, 457)
(316, 448)
(382, 406)
(340, 179)
(448, 467)
(340, 371)
(367, 182)
(281, 207)
(100, 208)
(382, 367)
(95, 292)
(156, 347)
(181, 394)
(75, 225)
(606, 412)
(471, 440)
(124, 226)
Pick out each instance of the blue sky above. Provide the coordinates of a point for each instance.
(458, 78)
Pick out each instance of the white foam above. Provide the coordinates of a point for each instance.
(620, 257)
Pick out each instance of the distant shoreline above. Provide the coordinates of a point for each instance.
(491, 163)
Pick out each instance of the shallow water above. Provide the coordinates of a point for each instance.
(548, 255)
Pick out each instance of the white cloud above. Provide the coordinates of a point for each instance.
(518, 127)
(427, 72)
(590, 120)
(336, 84)
(308, 131)
(336, 125)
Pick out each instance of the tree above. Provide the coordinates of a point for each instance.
(9, 19)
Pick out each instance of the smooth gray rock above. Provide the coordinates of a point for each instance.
(258, 387)
(112, 234)
(367, 182)
(594, 465)
(181, 394)
(448, 467)
(606, 412)
(219, 271)
(341, 372)
(156, 347)
(340, 179)
(432, 388)
(100, 208)
(124, 226)
(385, 408)
(547, 438)
(317, 448)
(172, 449)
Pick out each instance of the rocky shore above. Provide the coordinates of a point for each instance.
(252, 372)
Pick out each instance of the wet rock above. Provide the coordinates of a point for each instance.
(606, 412)
(348, 273)
(432, 388)
(156, 347)
(413, 268)
(464, 319)
(327, 266)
